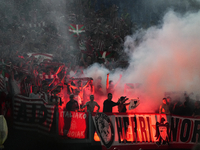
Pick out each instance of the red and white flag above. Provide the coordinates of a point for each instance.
(32, 114)
(41, 56)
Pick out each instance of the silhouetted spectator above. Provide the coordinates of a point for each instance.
(72, 105)
(108, 104)
(196, 112)
(164, 108)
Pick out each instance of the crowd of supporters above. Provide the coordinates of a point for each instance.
(46, 79)
(55, 83)
(186, 107)
(29, 27)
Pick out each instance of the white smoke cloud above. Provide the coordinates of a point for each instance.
(167, 59)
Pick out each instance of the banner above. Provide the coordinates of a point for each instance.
(73, 124)
(32, 114)
(146, 131)
(40, 57)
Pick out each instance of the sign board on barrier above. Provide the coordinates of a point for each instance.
(73, 124)
(152, 131)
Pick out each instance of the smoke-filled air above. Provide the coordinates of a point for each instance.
(150, 50)
(104, 74)
(166, 59)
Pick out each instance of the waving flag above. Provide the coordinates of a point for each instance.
(41, 56)
(76, 29)
(32, 114)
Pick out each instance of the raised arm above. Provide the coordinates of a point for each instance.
(107, 81)
(57, 84)
(72, 86)
(126, 103)
(93, 89)
(86, 84)
(59, 69)
(52, 82)
(124, 100)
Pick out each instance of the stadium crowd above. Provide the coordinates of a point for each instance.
(39, 58)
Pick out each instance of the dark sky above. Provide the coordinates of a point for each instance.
(149, 10)
(140, 11)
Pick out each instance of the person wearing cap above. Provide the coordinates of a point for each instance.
(72, 105)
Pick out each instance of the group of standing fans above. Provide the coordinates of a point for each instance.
(51, 81)
(74, 105)
(57, 83)
(108, 104)
(189, 107)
